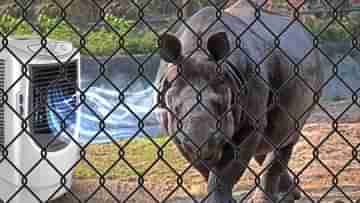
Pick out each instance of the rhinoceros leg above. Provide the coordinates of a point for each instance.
(286, 184)
(271, 178)
(288, 188)
(223, 178)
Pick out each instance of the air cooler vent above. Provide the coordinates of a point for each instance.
(2, 89)
(53, 88)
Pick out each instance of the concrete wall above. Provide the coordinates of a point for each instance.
(345, 82)
(348, 70)
(122, 68)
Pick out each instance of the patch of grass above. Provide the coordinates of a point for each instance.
(141, 153)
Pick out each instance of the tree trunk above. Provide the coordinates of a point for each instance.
(188, 10)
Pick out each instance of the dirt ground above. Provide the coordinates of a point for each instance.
(332, 172)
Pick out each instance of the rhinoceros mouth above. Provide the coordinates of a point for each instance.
(227, 155)
(214, 159)
(221, 159)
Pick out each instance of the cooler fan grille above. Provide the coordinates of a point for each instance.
(54, 83)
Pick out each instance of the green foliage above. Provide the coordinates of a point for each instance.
(333, 31)
(11, 25)
(105, 41)
(147, 40)
(99, 41)
(55, 28)
(119, 24)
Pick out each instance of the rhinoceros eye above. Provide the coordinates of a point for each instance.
(170, 97)
(173, 106)
(218, 106)
(177, 109)
(166, 85)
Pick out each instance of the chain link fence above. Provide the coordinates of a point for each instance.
(236, 89)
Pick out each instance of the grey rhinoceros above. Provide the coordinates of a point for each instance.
(232, 90)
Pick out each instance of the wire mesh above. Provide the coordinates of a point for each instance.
(218, 116)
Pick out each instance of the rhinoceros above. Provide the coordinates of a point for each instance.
(235, 86)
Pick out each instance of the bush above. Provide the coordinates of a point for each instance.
(105, 40)
(11, 25)
(148, 41)
(119, 24)
(333, 31)
(100, 41)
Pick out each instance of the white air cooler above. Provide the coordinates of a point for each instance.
(48, 86)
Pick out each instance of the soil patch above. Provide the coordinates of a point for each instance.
(326, 161)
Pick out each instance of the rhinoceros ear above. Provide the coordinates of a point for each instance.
(218, 45)
(170, 48)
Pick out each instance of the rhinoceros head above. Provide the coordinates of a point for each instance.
(197, 96)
